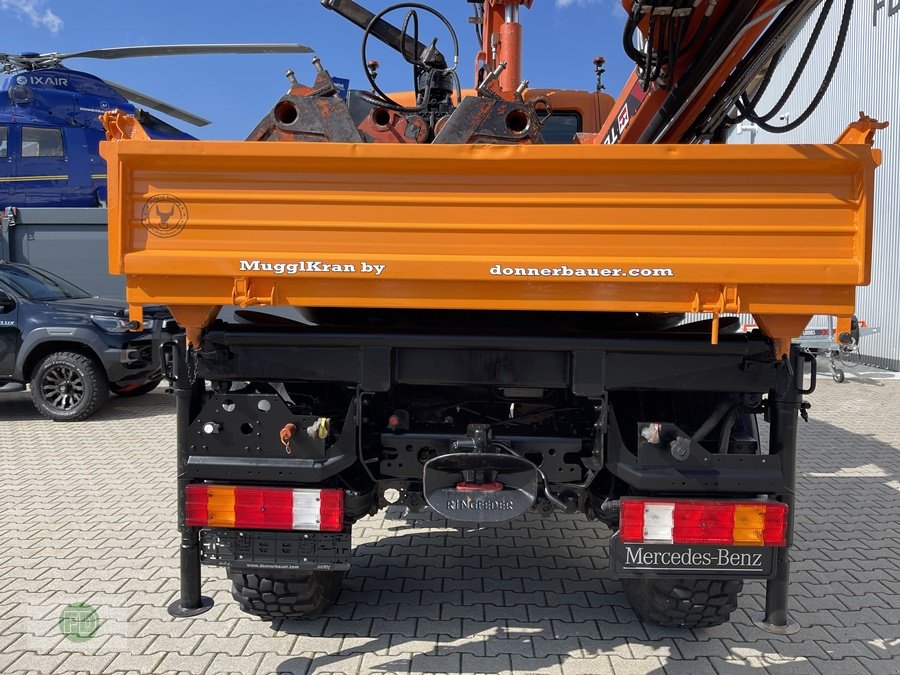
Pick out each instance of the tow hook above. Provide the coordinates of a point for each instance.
(478, 436)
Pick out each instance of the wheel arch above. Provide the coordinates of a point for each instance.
(44, 348)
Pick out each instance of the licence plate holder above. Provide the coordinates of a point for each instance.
(287, 550)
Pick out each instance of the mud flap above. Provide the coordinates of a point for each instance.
(474, 487)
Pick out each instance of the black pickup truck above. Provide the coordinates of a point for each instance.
(72, 348)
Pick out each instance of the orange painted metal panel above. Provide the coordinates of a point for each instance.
(780, 230)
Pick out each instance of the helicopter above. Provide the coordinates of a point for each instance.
(50, 127)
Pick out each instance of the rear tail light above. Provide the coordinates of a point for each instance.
(263, 508)
(682, 521)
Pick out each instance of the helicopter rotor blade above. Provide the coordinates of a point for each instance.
(177, 50)
(156, 104)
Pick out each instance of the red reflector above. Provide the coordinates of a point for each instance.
(263, 508)
(331, 511)
(195, 506)
(479, 487)
(775, 530)
(631, 520)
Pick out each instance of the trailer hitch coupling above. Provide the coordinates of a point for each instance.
(480, 487)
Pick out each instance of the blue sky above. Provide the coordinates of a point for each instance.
(561, 39)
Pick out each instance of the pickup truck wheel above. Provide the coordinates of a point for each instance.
(130, 391)
(690, 603)
(271, 594)
(67, 387)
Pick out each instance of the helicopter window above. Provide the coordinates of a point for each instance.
(40, 142)
(3, 135)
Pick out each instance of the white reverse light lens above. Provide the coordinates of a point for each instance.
(306, 513)
(658, 522)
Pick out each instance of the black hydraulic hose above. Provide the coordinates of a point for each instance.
(760, 91)
(767, 78)
(674, 29)
(727, 426)
(795, 78)
(759, 59)
(374, 100)
(552, 497)
(713, 420)
(412, 6)
(413, 16)
(826, 81)
(732, 23)
(628, 36)
(697, 33)
(648, 57)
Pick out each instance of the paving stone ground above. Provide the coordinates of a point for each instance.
(87, 516)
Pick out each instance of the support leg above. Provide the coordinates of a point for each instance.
(784, 409)
(187, 401)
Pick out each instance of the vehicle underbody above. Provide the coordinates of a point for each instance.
(483, 426)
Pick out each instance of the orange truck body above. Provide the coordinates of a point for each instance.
(780, 231)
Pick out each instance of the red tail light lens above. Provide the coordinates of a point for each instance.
(683, 521)
(264, 508)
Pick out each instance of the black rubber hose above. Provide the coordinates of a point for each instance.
(628, 35)
(767, 78)
(826, 81)
(727, 426)
(798, 73)
(760, 91)
(368, 31)
(649, 61)
(697, 33)
(552, 497)
(720, 411)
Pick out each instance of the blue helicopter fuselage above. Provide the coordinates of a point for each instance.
(50, 133)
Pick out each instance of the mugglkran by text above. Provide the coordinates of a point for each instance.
(311, 266)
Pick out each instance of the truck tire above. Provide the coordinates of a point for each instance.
(689, 603)
(68, 387)
(134, 392)
(282, 594)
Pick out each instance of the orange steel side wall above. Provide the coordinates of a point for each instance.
(778, 231)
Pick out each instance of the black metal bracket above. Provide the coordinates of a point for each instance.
(188, 399)
(784, 405)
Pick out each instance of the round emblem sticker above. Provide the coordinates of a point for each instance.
(164, 215)
(79, 622)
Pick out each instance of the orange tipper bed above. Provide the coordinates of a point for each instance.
(780, 231)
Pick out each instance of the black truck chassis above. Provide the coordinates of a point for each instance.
(396, 405)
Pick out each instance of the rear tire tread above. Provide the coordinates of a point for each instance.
(688, 603)
(277, 594)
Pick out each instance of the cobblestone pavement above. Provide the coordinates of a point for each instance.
(88, 512)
